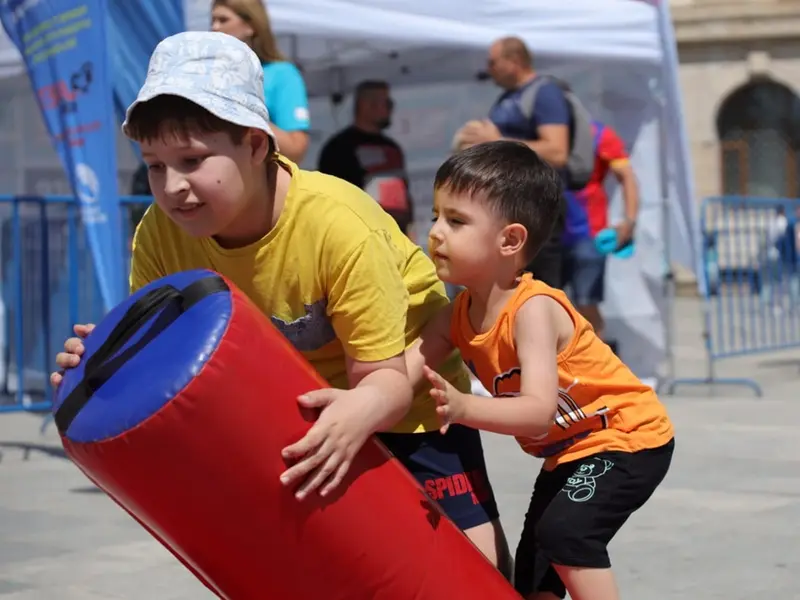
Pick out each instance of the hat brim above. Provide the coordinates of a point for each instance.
(207, 100)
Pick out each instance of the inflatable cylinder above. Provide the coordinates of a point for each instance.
(179, 411)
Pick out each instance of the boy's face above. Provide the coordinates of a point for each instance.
(203, 182)
(466, 238)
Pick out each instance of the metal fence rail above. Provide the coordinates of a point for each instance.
(752, 277)
(48, 283)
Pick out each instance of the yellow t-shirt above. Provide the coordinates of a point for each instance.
(335, 275)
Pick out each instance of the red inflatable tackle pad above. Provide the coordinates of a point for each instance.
(179, 410)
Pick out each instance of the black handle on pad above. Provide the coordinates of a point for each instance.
(168, 303)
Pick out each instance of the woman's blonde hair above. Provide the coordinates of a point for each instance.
(255, 14)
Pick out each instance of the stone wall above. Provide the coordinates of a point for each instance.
(722, 44)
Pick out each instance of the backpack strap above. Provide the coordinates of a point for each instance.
(527, 99)
(583, 144)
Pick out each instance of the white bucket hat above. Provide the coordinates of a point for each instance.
(214, 70)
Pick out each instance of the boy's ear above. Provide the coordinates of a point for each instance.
(260, 145)
(512, 239)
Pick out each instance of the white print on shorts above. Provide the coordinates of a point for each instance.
(581, 486)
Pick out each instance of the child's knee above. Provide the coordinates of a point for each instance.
(484, 537)
(490, 539)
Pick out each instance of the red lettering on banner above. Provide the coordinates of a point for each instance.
(54, 94)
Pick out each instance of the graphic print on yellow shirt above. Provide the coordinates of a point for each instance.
(335, 275)
(602, 405)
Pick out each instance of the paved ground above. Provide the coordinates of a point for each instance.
(724, 525)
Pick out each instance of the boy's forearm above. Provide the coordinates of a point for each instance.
(630, 194)
(415, 361)
(525, 416)
(395, 393)
(630, 188)
(431, 352)
(424, 353)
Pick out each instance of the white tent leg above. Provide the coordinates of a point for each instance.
(669, 275)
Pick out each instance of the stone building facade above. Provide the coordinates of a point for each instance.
(740, 79)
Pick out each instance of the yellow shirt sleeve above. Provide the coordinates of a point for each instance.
(144, 262)
(368, 300)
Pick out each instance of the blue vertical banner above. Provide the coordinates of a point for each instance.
(64, 46)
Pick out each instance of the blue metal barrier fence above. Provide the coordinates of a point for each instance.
(751, 271)
(752, 277)
(48, 284)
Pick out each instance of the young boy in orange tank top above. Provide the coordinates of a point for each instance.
(606, 439)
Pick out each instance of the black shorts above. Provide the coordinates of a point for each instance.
(577, 508)
(451, 469)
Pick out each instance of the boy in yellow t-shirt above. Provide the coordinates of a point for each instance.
(605, 437)
(317, 255)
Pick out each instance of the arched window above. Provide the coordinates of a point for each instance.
(759, 132)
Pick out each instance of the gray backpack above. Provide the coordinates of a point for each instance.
(580, 163)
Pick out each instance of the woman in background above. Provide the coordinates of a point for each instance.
(284, 88)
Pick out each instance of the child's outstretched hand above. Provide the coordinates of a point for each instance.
(449, 401)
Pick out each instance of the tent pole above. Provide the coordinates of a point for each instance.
(669, 276)
(669, 102)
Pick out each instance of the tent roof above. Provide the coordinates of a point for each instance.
(419, 41)
(322, 34)
(622, 29)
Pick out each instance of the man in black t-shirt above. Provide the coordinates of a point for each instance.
(363, 155)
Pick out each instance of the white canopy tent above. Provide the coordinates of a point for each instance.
(339, 42)
(618, 54)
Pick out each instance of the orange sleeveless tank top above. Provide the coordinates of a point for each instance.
(602, 405)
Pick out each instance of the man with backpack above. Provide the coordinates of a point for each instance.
(544, 114)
